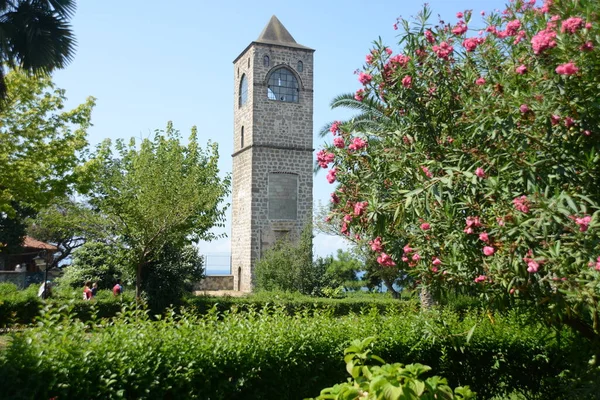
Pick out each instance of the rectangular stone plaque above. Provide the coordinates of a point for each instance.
(283, 196)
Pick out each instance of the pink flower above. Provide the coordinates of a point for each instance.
(331, 175)
(543, 40)
(524, 108)
(473, 221)
(385, 260)
(571, 25)
(588, 25)
(425, 226)
(347, 218)
(513, 27)
(334, 198)
(434, 269)
(376, 244)
(480, 278)
(357, 144)
(400, 60)
(484, 237)
(480, 172)
(344, 229)
(480, 81)
(468, 230)
(521, 204)
(369, 58)
(460, 28)
(587, 46)
(407, 81)
(416, 257)
(426, 171)
(488, 250)
(533, 266)
(324, 158)
(364, 78)
(429, 36)
(335, 127)
(360, 207)
(587, 133)
(388, 51)
(470, 44)
(459, 15)
(583, 223)
(521, 69)
(359, 95)
(338, 142)
(500, 221)
(555, 119)
(443, 50)
(436, 261)
(407, 249)
(482, 13)
(569, 122)
(567, 69)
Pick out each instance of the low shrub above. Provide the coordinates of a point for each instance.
(270, 354)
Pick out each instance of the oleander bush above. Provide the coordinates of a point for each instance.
(269, 354)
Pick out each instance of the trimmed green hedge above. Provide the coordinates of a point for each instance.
(22, 307)
(270, 354)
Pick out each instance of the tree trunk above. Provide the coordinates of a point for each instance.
(426, 297)
(138, 281)
(390, 287)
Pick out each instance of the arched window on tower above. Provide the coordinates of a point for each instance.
(300, 66)
(266, 60)
(242, 138)
(243, 96)
(283, 86)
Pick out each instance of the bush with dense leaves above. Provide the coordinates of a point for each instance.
(272, 355)
(476, 159)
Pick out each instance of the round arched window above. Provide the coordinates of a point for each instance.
(283, 86)
(243, 96)
(266, 61)
(300, 66)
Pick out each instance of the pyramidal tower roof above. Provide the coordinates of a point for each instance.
(275, 33)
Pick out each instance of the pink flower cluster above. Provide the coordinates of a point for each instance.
(488, 250)
(480, 278)
(425, 226)
(338, 142)
(543, 40)
(357, 144)
(412, 261)
(360, 207)
(443, 50)
(324, 158)
(567, 69)
(480, 172)
(359, 95)
(597, 264)
(335, 127)
(583, 222)
(571, 25)
(480, 81)
(429, 36)
(472, 223)
(426, 172)
(521, 69)
(532, 265)
(407, 81)
(460, 28)
(385, 260)
(364, 78)
(521, 204)
(376, 244)
(400, 60)
(331, 175)
(470, 44)
(335, 198)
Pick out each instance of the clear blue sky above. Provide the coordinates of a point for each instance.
(148, 62)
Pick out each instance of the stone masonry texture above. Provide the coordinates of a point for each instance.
(273, 167)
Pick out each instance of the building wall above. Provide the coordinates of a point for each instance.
(277, 139)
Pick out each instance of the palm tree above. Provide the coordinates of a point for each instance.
(35, 35)
(370, 118)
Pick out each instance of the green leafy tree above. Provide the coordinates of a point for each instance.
(485, 171)
(67, 224)
(41, 146)
(35, 36)
(171, 276)
(99, 262)
(288, 266)
(160, 193)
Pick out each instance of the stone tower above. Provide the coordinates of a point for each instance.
(272, 150)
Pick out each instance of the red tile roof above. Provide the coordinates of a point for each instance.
(36, 244)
